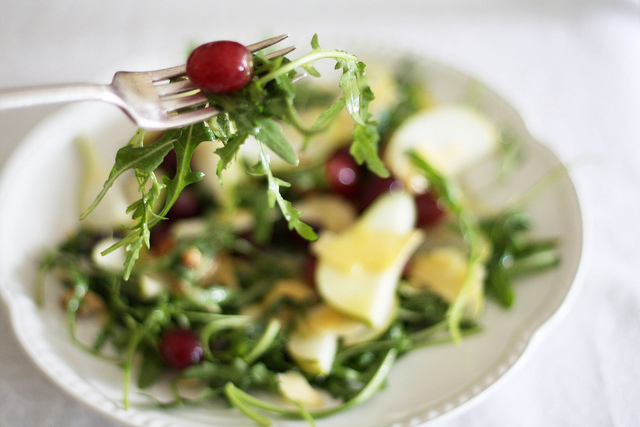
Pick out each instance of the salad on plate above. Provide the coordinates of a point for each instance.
(282, 255)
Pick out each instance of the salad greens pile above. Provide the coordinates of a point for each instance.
(243, 288)
(252, 111)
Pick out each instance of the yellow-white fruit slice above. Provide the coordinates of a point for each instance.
(295, 387)
(312, 349)
(451, 137)
(358, 269)
(328, 211)
(444, 270)
(294, 289)
(314, 342)
(351, 330)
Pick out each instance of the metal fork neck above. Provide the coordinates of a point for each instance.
(55, 94)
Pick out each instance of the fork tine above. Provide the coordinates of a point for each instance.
(175, 88)
(298, 77)
(181, 86)
(175, 96)
(168, 73)
(281, 52)
(190, 117)
(174, 104)
(266, 43)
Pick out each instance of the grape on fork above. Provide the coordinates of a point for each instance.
(159, 99)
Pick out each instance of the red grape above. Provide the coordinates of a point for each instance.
(342, 173)
(170, 163)
(187, 205)
(161, 240)
(220, 67)
(309, 269)
(181, 348)
(373, 188)
(429, 210)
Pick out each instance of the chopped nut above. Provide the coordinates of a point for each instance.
(91, 304)
(221, 272)
(192, 258)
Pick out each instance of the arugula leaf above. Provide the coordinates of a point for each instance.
(513, 253)
(328, 115)
(228, 153)
(143, 212)
(253, 111)
(291, 214)
(358, 96)
(272, 98)
(364, 149)
(184, 147)
(136, 156)
(270, 133)
(183, 141)
(451, 196)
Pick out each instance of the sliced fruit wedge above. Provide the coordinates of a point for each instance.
(450, 137)
(358, 270)
(443, 271)
(350, 330)
(295, 387)
(312, 349)
(314, 342)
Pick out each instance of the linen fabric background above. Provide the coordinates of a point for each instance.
(571, 68)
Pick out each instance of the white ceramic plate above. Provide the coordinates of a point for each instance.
(38, 206)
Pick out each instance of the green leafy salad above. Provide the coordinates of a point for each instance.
(296, 244)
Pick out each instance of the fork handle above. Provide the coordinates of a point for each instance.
(53, 94)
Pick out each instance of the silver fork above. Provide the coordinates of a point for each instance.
(152, 99)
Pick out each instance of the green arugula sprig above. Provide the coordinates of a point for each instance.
(246, 402)
(254, 111)
(498, 242)
(452, 197)
(144, 160)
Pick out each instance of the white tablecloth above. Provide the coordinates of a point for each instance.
(572, 69)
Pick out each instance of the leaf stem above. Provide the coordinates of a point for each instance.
(309, 58)
(265, 341)
(244, 400)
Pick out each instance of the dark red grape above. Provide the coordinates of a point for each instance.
(181, 348)
(342, 173)
(373, 188)
(186, 206)
(170, 163)
(429, 210)
(309, 269)
(161, 240)
(220, 67)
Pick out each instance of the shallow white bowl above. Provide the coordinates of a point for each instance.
(38, 207)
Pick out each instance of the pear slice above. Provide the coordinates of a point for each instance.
(358, 270)
(352, 331)
(444, 270)
(314, 342)
(312, 349)
(451, 137)
(295, 387)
